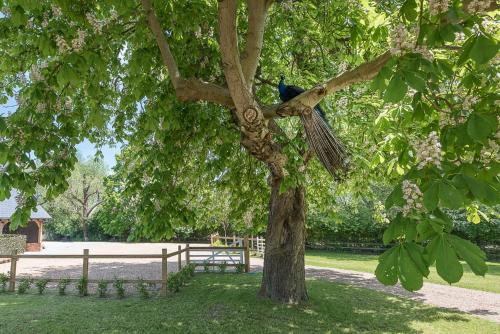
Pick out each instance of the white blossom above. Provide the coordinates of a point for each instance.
(68, 103)
(428, 151)
(399, 40)
(413, 197)
(114, 15)
(78, 42)
(30, 24)
(35, 74)
(56, 11)
(45, 21)
(469, 101)
(438, 6)
(94, 22)
(476, 6)
(41, 106)
(460, 37)
(491, 152)
(342, 102)
(287, 5)
(61, 44)
(21, 77)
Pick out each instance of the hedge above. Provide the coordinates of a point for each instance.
(12, 242)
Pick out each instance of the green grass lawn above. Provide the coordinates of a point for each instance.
(368, 263)
(216, 303)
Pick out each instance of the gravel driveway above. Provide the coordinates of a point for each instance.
(479, 303)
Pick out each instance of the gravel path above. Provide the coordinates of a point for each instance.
(479, 303)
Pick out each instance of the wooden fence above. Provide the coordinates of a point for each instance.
(190, 252)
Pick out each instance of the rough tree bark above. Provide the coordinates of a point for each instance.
(284, 273)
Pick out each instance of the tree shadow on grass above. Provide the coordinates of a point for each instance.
(332, 307)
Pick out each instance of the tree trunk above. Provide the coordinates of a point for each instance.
(85, 230)
(284, 273)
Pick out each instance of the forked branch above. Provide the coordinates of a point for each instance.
(191, 89)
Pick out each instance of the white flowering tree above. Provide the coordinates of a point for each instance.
(184, 79)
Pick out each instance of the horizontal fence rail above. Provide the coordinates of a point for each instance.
(241, 256)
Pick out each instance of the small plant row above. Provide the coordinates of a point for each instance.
(174, 282)
(240, 267)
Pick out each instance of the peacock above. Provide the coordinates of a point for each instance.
(329, 150)
(288, 92)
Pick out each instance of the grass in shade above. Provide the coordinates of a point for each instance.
(217, 303)
(368, 263)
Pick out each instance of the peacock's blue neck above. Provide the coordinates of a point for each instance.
(281, 87)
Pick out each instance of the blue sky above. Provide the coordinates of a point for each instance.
(86, 149)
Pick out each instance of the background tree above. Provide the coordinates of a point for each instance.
(80, 200)
(94, 63)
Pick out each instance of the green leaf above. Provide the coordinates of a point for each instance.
(410, 276)
(425, 230)
(431, 196)
(396, 89)
(447, 264)
(395, 197)
(409, 10)
(387, 268)
(416, 253)
(483, 49)
(415, 81)
(477, 187)
(449, 195)
(479, 127)
(471, 254)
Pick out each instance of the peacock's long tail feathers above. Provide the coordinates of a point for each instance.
(327, 147)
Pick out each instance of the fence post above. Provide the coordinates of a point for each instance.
(13, 265)
(247, 254)
(179, 258)
(187, 254)
(85, 271)
(234, 240)
(164, 272)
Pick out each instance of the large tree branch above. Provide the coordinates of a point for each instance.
(257, 13)
(313, 96)
(190, 89)
(256, 136)
(89, 211)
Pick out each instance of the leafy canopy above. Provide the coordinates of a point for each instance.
(428, 122)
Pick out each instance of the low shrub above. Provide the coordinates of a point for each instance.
(119, 286)
(240, 268)
(41, 285)
(191, 268)
(174, 282)
(82, 286)
(102, 288)
(143, 288)
(4, 278)
(61, 286)
(223, 267)
(24, 285)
